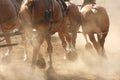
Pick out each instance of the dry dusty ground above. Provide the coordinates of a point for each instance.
(88, 66)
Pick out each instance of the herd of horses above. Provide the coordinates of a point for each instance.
(43, 18)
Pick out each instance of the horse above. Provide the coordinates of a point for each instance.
(73, 22)
(95, 20)
(74, 18)
(8, 20)
(45, 18)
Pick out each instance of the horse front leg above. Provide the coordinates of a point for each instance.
(24, 43)
(49, 49)
(37, 58)
(8, 41)
(7, 55)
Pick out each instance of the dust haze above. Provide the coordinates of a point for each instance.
(88, 66)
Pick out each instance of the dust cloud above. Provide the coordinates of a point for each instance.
(88, 66)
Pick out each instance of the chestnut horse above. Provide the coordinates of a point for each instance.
(95, 20)
(74, 18)
(8, 19)
(45, 18)
(72, 21)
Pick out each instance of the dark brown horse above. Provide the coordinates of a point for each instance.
(45, 17)
(8, 19)
(95, 20)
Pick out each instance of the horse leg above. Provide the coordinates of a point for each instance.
(74, 36)
(88, 45)
(7, 54)
(40, 62)
(72, 55)
(93, 40)
(8, 41)
(64, 44)
(24, 46)
(101, 40)
(49, 48)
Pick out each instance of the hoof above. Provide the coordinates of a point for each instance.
(52, 75)
(41, 63)
(102, 53)
(72, 55)
(88, 46)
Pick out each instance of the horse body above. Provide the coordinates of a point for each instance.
(95, 20)
(98, 20)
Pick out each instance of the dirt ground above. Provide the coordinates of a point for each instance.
(88, 65)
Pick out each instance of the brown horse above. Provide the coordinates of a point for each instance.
(72, 21)
(8, 19)
(74, 18)
(45, 17)
(95, 20)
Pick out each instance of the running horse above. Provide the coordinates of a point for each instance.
(8, 19)
(73, 22)
(95, 20)
(45, 18)
(74, 17)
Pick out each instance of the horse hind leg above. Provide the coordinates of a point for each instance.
(95, 43)
(88, 44)
(74, 36)
(101, 41)
(72, 55)
(64, 44)
(49, 48)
